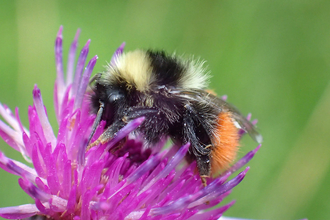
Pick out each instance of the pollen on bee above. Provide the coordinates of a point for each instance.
(226, 142)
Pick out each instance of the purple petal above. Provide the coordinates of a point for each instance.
(63, 130)
(208, 195)
(19, 212)
(33, 191)
(13, 137)
(84, 82)
(177, 158)
(248, 117)
(9, 117)
(46, 127)
(57, 204)
(80, 67)
(38, 162)
(71, 59)
(41, 184)
(19, 121)
(86, 198)
(216, 187)
(52, 177)
(176, 206)
(44, 208)
(131, 126)
(65, 107)
(8, 135)
(91, 175)
(57, 102)
(213, 214)
(66, 182)
(16, 167)
(131, 202)
(73, 194)
(143, 168)
(59, 60)
(64, 170)
(137, 174)
(153, 194)
(27, 143)
(117, 54)
(239, 164)
(114, 171)
(170, 166)
(77, 133)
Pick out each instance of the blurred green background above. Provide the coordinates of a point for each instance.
(270, 57)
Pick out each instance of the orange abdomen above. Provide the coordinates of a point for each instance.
(225, 143)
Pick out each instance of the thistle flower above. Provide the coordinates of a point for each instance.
(132, 183)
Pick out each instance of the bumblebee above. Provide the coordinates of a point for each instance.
(170, 92)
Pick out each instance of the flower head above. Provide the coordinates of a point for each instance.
(66, 182)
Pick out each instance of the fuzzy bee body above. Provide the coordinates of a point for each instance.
(169, 92)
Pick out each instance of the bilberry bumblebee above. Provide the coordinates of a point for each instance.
(170, 92)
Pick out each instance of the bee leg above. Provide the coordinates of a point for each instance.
(204, 167)
(208, 146)
(108, 133)
(198, 149)
(135, 112)
(95, 124)
(203, 178)
(153, 125)
(117, 125)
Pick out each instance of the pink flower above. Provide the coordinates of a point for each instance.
(133, 183)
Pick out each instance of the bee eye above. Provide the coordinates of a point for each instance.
(116, 95)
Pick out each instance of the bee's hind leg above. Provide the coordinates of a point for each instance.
(199, 151)
(204, 167)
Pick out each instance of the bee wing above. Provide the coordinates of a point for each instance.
(208, 99)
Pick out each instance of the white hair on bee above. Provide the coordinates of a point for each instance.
(196, 76)
(135, 67)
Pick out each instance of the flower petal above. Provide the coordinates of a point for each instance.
(80, 68)
(16, 167)
(46, 127)
(239, 164)
(213, 214)
(59, 60)
(117, 53)
(71, 59)
(19, 212)
(84, 82)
